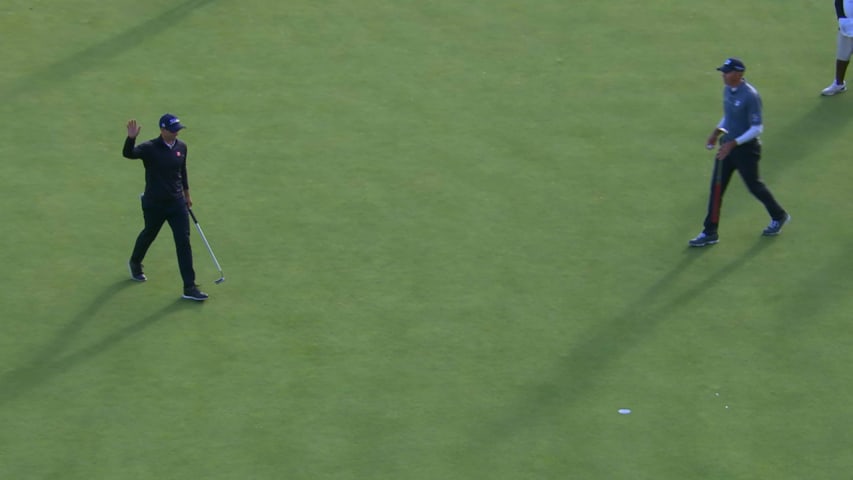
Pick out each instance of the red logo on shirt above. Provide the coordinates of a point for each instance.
(179, 154)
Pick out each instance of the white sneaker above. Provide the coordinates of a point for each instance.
(833, 89)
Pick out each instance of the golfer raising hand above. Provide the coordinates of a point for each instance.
(166, 197)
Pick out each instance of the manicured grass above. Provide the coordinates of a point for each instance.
(455, 241)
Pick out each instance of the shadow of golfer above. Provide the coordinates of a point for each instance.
(827, 287)
(65, 335)
(50, 362)
(823, 122)
(61, 71)
(581, 368)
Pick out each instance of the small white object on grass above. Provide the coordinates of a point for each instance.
(626, 411)
(709, 146)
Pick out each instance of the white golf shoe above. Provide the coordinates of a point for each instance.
(834, 89)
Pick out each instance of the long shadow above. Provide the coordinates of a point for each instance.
(828, 286)
(62, 70)
(581, 368)
(49, 363)
(828, 117)
(66, 335)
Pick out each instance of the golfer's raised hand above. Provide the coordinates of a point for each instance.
(133, 129)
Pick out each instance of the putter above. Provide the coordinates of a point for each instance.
(718, 186)
(209, 250)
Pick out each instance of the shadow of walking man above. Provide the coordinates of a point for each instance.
(826, 119)
(62, 70)
(52, 360)
(582, 368)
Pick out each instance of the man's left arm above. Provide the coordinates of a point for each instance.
(756, 123)
(186, 182)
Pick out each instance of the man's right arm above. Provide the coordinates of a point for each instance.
(130, 150)
(715, 134)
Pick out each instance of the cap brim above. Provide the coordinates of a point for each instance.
(175, 128)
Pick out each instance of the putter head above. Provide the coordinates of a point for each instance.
(221, 279)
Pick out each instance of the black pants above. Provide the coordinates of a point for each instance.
(744, 158)
(155, 214)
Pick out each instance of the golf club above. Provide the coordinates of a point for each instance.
(209, 250)
(718, 185)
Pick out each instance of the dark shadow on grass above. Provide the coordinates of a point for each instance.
(50, 362)
(71, 329)
(827, 119)
(63, 70)
(828, 286)
(581, 368)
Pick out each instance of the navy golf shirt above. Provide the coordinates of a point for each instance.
(165, 168)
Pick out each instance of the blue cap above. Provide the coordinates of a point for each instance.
(170, 123)
(732, 65)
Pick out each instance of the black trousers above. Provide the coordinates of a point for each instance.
(155, 214)
(744, 158)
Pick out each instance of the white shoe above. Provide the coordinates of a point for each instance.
(833, 89)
